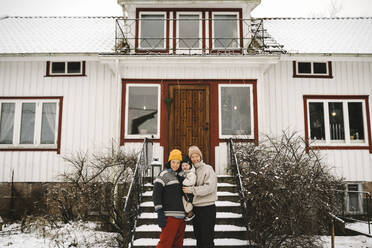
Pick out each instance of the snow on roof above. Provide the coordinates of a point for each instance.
(57, 34)
(352, 35)
(97, 34)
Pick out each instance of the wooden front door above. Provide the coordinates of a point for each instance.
(189, 118)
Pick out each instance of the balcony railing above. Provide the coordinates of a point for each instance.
(249, 38)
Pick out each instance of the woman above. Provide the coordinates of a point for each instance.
(168, 204)
(205, 196)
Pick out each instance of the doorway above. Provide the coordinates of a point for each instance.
(189, 122)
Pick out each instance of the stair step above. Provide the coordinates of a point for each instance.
(221, 231)
(188, 243)
(220, 187)
(222, 196)
(223, 218)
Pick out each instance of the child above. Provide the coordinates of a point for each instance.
(187, 177)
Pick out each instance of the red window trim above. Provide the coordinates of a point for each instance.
(83, 70)
(338, 97)
(60, 98)
(296, 75)
(204, 35)
(213, 92)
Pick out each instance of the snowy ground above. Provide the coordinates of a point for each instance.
(77, 234)
(81, 235)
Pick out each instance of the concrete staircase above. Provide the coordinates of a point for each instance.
(229, 230)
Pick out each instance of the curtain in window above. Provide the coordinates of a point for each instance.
(27, 123)
(48, 123)
(7, 123)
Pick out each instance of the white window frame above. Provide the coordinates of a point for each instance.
(237, 29)
(141, 136)
(199, 48)
(221, 136)
(347, 141)
(360, 199)
(164, 29)
(66, 68)
(312, 68)
(38, 121)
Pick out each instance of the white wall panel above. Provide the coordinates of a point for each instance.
(283, 100)
(89, 111)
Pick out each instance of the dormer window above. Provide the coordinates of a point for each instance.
(152, 30)
(308, 69)
(65, 68)
(188, 31)
(189, 27)
(225, 31)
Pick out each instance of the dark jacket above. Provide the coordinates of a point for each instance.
(167, 194)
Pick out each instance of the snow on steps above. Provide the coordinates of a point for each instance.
(189, 228)
(219, 215)
(192, 243)
(218, 204)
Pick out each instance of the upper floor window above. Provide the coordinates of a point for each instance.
(225, 31)
(152, 30)
(185, 31)
(142, 110)
(65, 68)
(29, 123)
(337, 121)
(312, 69)
(189, 27)
(236, 111)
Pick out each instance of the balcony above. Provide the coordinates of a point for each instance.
(188, 35)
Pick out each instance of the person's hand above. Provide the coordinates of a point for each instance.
(162, 220)
(187, 190)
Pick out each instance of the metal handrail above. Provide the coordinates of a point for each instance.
(368, 194)
(236, 169)
(137, 182)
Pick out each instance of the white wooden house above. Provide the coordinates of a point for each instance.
(182, 73)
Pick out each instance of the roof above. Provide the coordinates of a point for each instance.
(29, 35)
(57, 34)
(322, 35)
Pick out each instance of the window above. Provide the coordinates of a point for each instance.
(337, 121)
(152, 31)
(189, 31)
(354, 199)
(312, 69)
(142, 110)
(66, 68)
(236, 111)
(29, 123)
(225, 31)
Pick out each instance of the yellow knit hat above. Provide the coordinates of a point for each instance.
(175, 154)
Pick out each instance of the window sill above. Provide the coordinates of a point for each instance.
(312, 76)
(67, 75)
(28, 149)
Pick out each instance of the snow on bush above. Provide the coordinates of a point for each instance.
(288, 190)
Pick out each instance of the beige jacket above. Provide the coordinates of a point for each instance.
(205, 189)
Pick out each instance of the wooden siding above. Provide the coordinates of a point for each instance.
(283, 108)
(89, 116)
(91, 111)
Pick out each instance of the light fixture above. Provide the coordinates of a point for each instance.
(333, 113)
(235, 107)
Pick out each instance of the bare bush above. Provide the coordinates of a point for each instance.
(288, 190)
(95, 186)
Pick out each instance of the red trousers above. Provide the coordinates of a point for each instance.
(171, 235)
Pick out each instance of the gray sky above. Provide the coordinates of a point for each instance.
(267, 8)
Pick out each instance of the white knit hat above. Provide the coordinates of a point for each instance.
(193, 150)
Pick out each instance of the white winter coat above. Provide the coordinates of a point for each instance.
(190, 177)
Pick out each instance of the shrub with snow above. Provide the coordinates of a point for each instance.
(289, 192)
